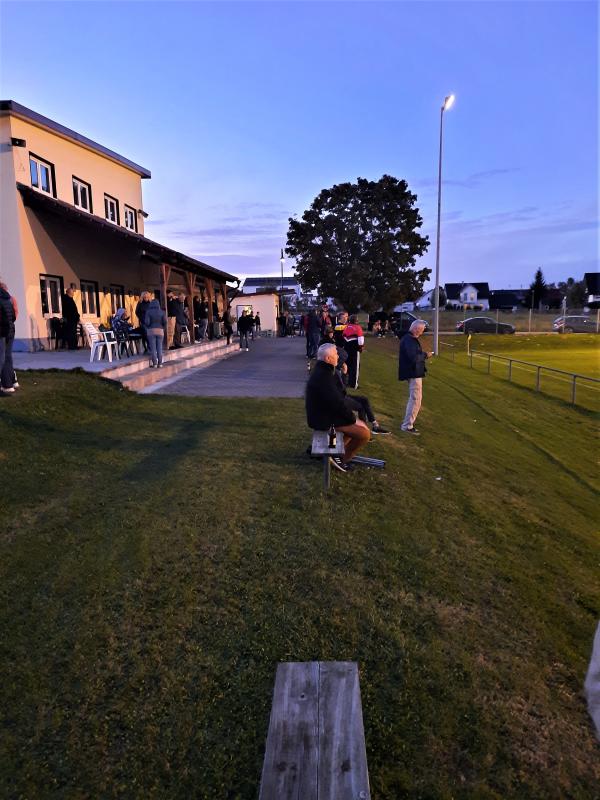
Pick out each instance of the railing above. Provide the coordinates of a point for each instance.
(592, 384)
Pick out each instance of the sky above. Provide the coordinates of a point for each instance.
(245, 111)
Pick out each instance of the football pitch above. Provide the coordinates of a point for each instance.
(160, 555)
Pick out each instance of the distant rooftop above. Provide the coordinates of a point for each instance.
(270, 281)
(17, 110)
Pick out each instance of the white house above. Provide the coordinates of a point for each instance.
(468, 295)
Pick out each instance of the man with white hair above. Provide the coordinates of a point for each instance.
(412, 368)
(327, 405)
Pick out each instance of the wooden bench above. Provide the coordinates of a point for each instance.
(316, 741)
(320, 447)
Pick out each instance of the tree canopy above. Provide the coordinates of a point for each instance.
(358, 243)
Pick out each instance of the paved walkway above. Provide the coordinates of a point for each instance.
(272, 368)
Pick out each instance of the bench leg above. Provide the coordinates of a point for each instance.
(326, 473)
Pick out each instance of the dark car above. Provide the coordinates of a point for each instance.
(400, 322)
(574, 324)
(483, 325)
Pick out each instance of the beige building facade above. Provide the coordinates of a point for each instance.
(265, 304)
(72, 216)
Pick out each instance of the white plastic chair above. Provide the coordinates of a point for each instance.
(98, 340)
(185, 331)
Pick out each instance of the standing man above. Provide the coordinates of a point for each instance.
(7, 336)
(257, 323)
(412, 368)
(353, 339)
(202, 319)
(70, 314)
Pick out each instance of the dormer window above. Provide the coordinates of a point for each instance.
(82, 194)
(41, 174)
(111, 209)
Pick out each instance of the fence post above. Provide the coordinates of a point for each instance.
(530, 310)
(537, 380)
(510, 369)
(497, 312)
(597, 320)
(573, 390)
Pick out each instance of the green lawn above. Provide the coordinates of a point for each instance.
(161, 555)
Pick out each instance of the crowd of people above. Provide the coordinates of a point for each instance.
(329, 405)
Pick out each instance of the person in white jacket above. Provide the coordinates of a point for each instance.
(592, 683)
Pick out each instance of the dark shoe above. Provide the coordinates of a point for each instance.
(414, 431)
(336, 462)
(379, 431)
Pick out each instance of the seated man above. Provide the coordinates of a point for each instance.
(327, 405)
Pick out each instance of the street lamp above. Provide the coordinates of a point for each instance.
(448, 103)
(281, 260)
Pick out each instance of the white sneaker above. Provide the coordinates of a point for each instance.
(247, 349)
(10, 390)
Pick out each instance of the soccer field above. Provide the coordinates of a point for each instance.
(160, 555)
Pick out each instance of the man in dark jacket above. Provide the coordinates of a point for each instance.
(7, 336)
(412, 368)
(70, 314)
(313, 334)
(326, 405)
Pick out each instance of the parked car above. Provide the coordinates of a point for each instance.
(400, 322)
(574, 324)
(483, 325)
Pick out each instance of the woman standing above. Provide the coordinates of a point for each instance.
(155, 323)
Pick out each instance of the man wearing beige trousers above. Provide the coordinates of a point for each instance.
(412, 368)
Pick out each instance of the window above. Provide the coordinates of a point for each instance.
(89, 298)
(42, 174)
(82, 194)
(51, 291)
(117, 297)
(130, 219)
(111, 209)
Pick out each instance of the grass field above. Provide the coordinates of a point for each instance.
(161, 555)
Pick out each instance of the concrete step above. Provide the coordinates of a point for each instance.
(123, 369)
(195, 357)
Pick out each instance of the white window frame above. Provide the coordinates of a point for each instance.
(128, 211)
(39, 163)
(89, 289)
(111, 202)
(117, 292)
(52, 279)
(77, 187)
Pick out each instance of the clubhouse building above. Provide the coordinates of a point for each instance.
(72, 216)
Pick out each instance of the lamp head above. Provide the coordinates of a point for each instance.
(448, 102)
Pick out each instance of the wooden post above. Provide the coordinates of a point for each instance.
(210, 297)
(165, 272)
(190, 283)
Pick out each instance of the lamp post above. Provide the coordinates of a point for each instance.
(281, 260)
(448, 103)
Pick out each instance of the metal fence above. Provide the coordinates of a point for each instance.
(572, 387)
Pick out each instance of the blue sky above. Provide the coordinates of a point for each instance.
(245, 111)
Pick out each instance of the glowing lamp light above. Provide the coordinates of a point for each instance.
(449, 102)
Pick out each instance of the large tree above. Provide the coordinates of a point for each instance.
(358, 243)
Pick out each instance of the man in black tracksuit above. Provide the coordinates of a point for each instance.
(7, 336)
(327, 405)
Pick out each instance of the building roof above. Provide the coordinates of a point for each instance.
(17, 110)
(43, 202)
(270, 281)
(255, 294)
(592, 282)
(453, 290)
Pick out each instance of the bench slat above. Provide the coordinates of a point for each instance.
(316, 742)
(343, 772)
(320, 444)
(291, 756)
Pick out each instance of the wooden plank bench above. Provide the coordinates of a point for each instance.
(320, 447)
(316, 742)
